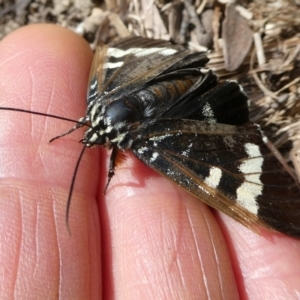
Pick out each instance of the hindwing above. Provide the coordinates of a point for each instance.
(224, 103)
(228, 167)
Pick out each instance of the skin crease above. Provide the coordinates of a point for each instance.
(145, 239)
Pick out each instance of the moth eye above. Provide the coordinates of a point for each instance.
(125, 109)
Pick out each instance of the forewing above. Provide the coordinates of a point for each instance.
(227, 167)
(127, 65)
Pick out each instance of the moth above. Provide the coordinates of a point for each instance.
(160, 102)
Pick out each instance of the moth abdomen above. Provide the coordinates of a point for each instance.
(146, 102)
(158, 97)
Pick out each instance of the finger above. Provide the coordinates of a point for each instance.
(266, 266)
(160, 242)
(45, 68)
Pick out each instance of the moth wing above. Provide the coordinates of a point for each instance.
(226, 103)
(97, 73)
(228, 167)
(127, 65)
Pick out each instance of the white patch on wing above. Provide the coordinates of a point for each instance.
(214, 177)
(154, 156)
(168, 51)
(185, 153)
(160, 137)
(139, 52)
(93, 84)
(208, 113)
(113, 65)
(142, 150)
(241, 89)
(248, 192)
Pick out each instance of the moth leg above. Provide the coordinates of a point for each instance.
(77, 126)
(112, 164)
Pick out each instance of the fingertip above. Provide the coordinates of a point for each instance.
(149, 219)
(37, 58)
(46, 38)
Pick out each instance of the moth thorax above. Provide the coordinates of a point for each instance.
(126, 109)
(106, 133)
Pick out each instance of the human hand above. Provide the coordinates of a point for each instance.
(145, 239)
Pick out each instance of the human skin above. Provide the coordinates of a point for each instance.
(145, 238)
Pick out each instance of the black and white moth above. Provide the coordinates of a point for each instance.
(158, 101)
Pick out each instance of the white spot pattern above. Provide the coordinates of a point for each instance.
(142, 150)
(208, 113)
(154, 156)
(248, 192)
(138, 52)
(214, 177)
(160, 138)
(111, 65)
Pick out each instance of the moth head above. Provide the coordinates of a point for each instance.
(109, 123)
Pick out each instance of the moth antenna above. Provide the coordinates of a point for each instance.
(79, 123)
(43, 114)
(72, 188)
